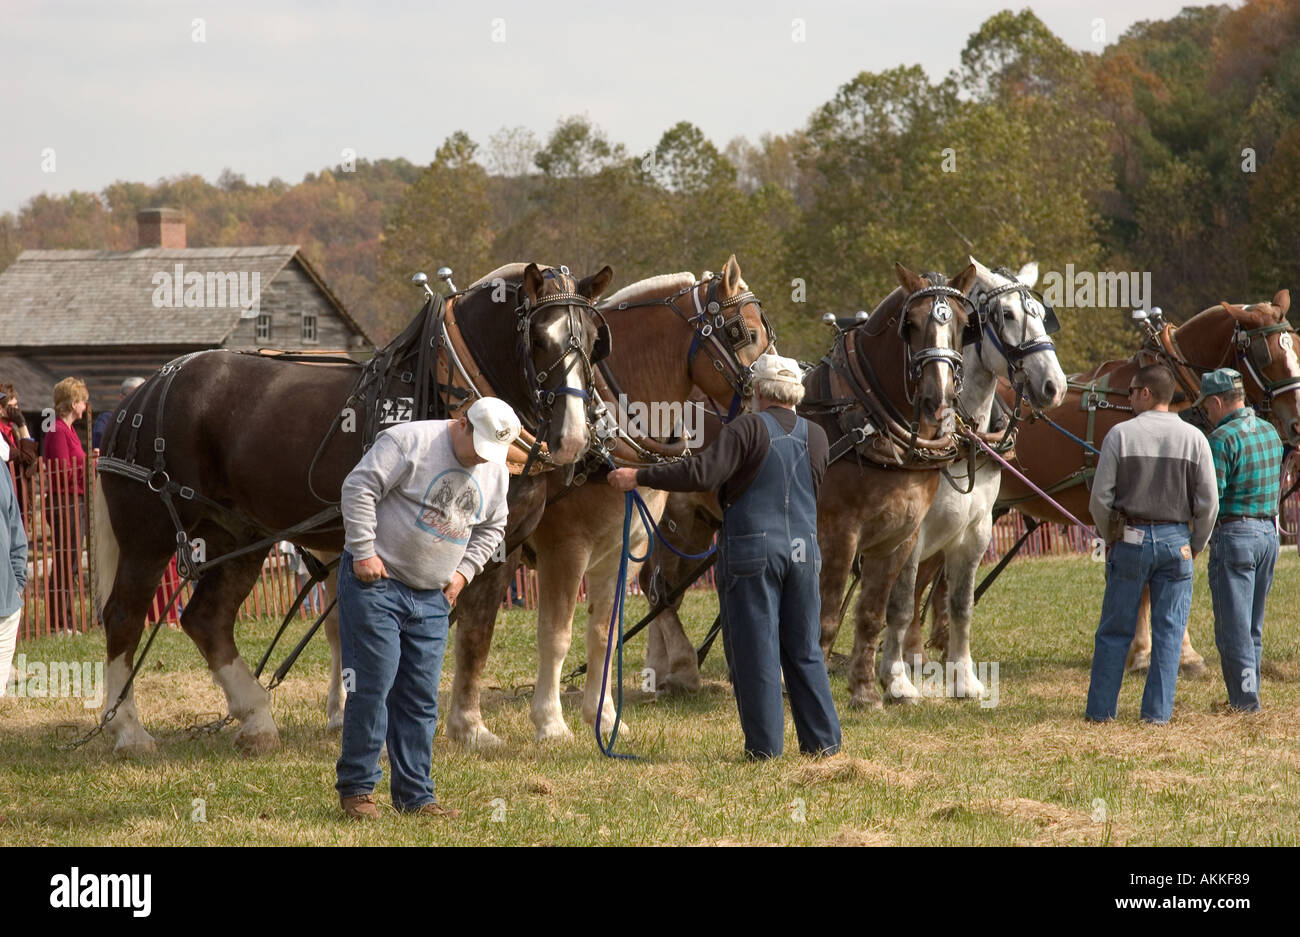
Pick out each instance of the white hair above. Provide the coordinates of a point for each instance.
(784, 392)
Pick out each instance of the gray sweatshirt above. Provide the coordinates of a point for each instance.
(1157, 467)
(412, 503)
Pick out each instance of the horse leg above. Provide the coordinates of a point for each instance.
(656, 650)
(1139, 652)
(337, 696)
(899, 606)
(476, 618)
(134, 587)
(914, 644)
(838, 543)
(961, 565)
(559, 571)
(1191, 663)
(209, 620)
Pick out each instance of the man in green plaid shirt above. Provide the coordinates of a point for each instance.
(1243, 548)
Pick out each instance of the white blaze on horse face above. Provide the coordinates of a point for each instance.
(573, 437)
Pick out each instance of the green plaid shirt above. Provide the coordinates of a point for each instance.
(1248, 462)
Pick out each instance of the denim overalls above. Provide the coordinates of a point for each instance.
(771, 604)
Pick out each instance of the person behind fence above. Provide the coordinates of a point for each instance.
(424, 511)
(766, 467)
(13, 427)
(62, 449)
(1243, 548)
(13, 577)
(101, 422)
(1154, 500)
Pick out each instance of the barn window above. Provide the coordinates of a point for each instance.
(264, 327)
(309, 326)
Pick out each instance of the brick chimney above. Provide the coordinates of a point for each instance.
(161, 227)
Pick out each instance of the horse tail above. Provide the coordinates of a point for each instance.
(106, 549)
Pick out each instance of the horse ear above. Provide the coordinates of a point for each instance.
(966, 279)
(731, 275)
(532, 282)
(594, 286)
(908, 280)
(1028, 274)
(1282, 301)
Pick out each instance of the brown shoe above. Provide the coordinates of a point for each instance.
(359, 807)
(434, 810)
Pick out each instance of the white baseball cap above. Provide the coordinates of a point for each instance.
(495, 427)
(777, 368)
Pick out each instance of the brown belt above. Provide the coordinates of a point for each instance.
(1143, 522)
(1233, 518)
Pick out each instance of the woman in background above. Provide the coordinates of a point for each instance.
(62, 449)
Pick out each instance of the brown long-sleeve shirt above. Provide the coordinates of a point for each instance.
(730, 465)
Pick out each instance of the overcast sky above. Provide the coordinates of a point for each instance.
(121, 90)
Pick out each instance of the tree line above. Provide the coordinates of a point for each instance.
(1174, 150)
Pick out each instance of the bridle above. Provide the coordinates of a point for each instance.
(941, 313)
(980, 325)
(1250, 351)
(723, 335)
(574, 353)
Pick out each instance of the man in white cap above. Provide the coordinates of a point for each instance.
(766, 467)
(424, 511)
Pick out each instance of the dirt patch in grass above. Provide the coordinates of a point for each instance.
(845, 769)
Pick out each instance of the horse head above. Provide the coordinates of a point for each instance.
(1268, 357)
(1011, 332)
(930, 325)
(566, 335)
(731, 330)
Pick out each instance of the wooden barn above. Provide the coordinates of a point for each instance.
(104, 316)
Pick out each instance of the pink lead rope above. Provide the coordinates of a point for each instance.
(966, 431)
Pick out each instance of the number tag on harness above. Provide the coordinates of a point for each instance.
(396, 410)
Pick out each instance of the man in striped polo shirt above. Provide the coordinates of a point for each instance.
(1243, 548)
(1154, 500)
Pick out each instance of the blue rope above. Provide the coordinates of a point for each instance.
(616, 622)
(1057, 426)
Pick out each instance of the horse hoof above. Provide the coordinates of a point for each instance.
(335, 724)
(1140, 664)
(865, 701)
(257, 743)
(1192, 669)
(135, 748)
(681, 683)
(480, 739)
(555, 731)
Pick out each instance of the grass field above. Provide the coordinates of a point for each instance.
(1026, 771)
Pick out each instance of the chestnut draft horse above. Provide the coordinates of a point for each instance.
(1254, 339)
(673, 333)
(238, 450)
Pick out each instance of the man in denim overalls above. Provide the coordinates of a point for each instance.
(766, 467)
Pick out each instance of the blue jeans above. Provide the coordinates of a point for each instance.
(1242, 555)
(1163, 561)
(393, 638)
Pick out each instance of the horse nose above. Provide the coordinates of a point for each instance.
(931, 404)
(1049, 389)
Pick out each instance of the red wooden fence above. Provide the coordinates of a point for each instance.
(60, 564)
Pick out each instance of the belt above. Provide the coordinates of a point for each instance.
(1233, 518)
(1144, 522)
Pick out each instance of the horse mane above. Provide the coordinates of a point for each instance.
(510, 271)
(641, 289)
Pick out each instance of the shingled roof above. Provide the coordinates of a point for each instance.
(96, 298)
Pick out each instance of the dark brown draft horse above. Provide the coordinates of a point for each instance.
(1254, 339)
(220, 451)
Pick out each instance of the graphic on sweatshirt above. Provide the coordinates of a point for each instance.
(453, 504)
